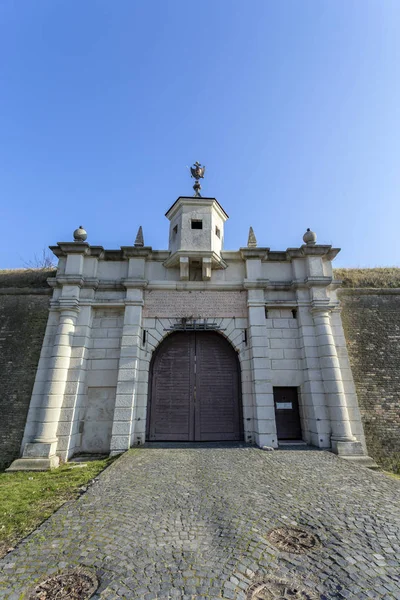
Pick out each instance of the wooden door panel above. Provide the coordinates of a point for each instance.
(287, 413)
(217, 408)
(172, 408)
(195, 389)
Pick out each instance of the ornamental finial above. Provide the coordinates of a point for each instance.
(310, 237)
(197, 172)
(251, 242)
(80, 234)
(139, 241)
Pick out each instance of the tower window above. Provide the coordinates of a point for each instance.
(175, 230)
(197, 224)
(294, 313)
(218, 232)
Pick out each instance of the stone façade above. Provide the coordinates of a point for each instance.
(370, 320)
(110, 310)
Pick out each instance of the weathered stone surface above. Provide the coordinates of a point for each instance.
(371, 322)
(23, 318)
(192, 523)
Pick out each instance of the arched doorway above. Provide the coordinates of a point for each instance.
(194, 389)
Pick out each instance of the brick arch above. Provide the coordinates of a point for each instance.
(231, 337)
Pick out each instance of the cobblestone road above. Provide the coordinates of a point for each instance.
(191, 523)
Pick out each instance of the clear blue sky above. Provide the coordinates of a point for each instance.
(293, 106)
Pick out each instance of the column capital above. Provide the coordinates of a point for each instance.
(66, 305)
(76, 280)
(320, 309)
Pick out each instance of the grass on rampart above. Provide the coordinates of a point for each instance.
(380, 277)
(29, 498)
(18, 278)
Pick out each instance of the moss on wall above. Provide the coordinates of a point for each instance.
(24, 301)
(371, 322)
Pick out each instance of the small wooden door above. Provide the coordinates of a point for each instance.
(287, 413)
(195, 389)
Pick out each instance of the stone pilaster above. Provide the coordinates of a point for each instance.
(263, 395)
(264, 411)
(127, 385)
(41, 375)
(342, 439)
(68, 432)
(40, 453)
(313, 392)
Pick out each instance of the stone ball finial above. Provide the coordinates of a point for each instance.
(310, 237)
(80, 234)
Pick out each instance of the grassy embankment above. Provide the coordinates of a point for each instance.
(29, 498)
(379, 277)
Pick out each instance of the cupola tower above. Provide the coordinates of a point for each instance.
(196, 233)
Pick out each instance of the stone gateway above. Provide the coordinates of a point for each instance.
(194, 393)
(193, 343)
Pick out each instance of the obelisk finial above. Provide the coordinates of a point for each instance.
(251, 242)
(139, 242)
(197, 172)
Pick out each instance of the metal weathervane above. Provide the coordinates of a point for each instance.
(197, 171)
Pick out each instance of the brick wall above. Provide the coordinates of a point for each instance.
(371, 322)
(23, 317)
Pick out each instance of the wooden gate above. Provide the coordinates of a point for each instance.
(195, 389)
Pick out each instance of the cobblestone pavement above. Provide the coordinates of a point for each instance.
(191, 523)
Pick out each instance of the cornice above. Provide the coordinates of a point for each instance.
(253, 253)
(318, 281)
(136, 252)
(134, 283)
(232, 255)
(193, 201)
(276, 256)
(256, 284)
(76, 280)
(65, 248)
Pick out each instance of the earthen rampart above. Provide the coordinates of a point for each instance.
(24, 302)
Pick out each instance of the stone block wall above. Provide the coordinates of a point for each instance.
(24, 302)
(284, 347)
(105, 347)
(96, 409)
(371, 322)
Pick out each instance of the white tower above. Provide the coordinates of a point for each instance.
(196, 233)
(196, 236)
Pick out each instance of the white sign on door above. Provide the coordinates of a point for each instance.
(284, 405)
